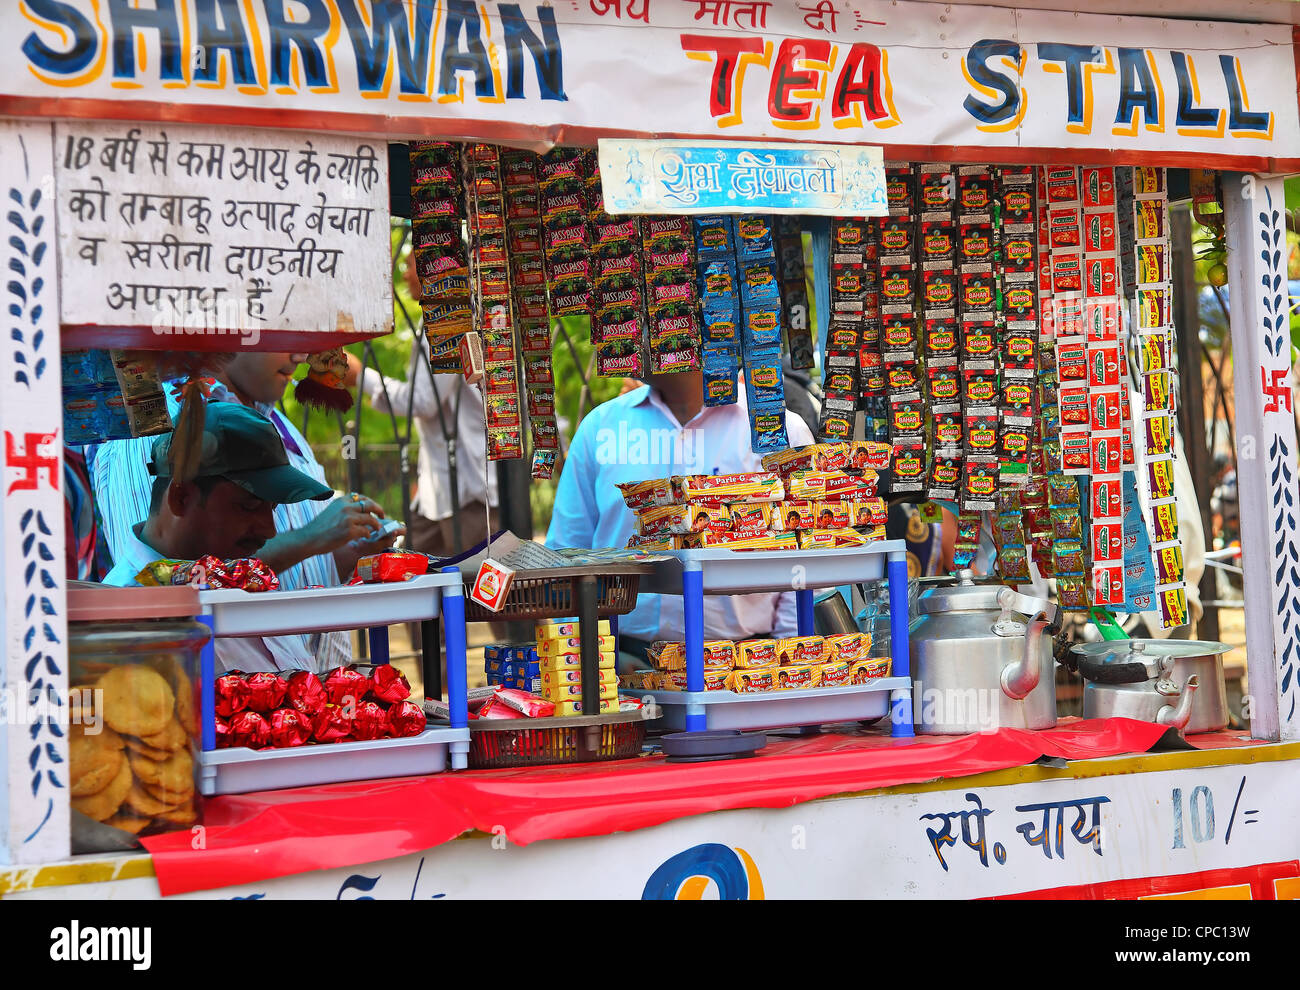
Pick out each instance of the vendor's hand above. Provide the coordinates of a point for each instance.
(345, 519)
(346, 557)
(354, 370)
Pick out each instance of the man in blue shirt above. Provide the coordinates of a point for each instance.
(655, 431)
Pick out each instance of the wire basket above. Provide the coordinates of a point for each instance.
(546, 741)
(557, 597)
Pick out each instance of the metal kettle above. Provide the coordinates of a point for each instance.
(982, 659)
(1133, 683)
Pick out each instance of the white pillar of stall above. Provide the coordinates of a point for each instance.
(33, 737)
(1268, 475)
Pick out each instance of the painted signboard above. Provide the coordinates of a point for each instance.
(740, 177)
(205, 238)
(998, 82)
(963, 842)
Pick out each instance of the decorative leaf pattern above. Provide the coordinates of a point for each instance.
(1282, 471)
(24, 286)
(40, 576)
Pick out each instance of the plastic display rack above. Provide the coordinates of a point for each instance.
(693, 574)
(587, 591)
(374, 607)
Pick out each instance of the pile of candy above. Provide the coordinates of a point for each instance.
(246, 574)
(266, 710)
(813, 498)
(765, 664)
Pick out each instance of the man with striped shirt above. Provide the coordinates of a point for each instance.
(317, 543)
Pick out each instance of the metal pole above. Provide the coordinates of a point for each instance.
(590, 639)
(900, 698)
(1191, 408)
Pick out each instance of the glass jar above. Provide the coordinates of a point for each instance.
(133, 733)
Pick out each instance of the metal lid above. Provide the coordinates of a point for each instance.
(1146, 650)
(964, 596)
(89, 602)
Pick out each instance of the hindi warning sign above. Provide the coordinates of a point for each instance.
(195, 238)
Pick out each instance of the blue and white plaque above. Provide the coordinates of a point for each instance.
(738, 177)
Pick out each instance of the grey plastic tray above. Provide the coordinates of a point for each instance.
(740, 571)
(777, 709)
(241, 770)
(358, 606)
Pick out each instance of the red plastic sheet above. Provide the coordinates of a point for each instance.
(254, 837)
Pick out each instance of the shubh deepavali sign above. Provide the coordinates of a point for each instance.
(733, 177)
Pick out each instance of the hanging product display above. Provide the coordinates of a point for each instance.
(531, 313)
(1105, 356)
(794, 292)
(492, 305)
(979, 327)
(441, 256)
(1153, 267)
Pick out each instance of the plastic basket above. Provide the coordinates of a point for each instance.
(557, 597)
(501, 745)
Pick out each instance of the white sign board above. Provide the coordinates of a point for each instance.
(201, 238)
(989, 83)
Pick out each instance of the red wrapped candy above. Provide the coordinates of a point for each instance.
(406, 718)
(389, 685)
(223, 733)
(331, 725)
(343, 684)
(247, 574)
(305, 692)
(251, 574)
(249, 729)
(369, 722)
(289, 727)
(265, 691)
(230, 694)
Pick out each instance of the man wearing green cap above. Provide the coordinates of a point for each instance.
(225, 511)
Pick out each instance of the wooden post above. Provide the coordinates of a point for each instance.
(1187, 322)
(1267, 475)
(34, 670)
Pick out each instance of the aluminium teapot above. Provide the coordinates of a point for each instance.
(982, 659)
(1135, 680)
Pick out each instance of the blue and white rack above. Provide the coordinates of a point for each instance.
(424, 599)
(693, 574)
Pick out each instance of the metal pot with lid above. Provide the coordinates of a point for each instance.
(982, 659)
(1173, 682)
